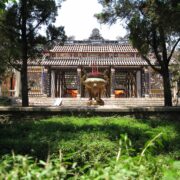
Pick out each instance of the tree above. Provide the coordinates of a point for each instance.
(3, 63)
(21, 25)
(152, 25)
(124, 39)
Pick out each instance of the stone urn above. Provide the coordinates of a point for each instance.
(95, 86)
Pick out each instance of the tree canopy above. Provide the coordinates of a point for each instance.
(154, 27)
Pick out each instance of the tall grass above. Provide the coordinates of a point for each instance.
(90, 148)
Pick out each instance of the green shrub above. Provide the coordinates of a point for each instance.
(91, 148)
(24, 167)
(141, 166)
(129, 168)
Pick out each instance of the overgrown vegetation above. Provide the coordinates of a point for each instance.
(90, 148)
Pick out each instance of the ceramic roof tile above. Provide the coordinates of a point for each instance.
(94, 48)
(93, 60)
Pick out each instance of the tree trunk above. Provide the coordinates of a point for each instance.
(24, 81)
(167, 88)
(24, 89)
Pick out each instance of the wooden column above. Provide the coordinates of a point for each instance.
(78, 82)
(142, 83)
(60, 84)
(112, 82)
(48, 86)
(45, 82)
(52, 83)
(17, 84)
(175, 89)
(138, 83)
(42, 80)
(147, 83)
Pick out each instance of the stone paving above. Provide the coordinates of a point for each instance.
(139, 107)
(82, 102)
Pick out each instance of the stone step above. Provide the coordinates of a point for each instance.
(108, 101)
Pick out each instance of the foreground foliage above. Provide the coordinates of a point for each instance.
(90, 148)
(16, 167)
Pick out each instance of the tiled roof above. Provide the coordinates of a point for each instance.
(94, 48)
(86, 61)
(36, 61)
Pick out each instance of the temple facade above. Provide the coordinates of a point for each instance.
(61, 71)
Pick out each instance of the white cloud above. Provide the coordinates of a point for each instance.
(78, 18)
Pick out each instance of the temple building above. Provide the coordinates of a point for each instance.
(63, 67)
(60, 72)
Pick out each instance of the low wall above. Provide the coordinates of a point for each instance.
(8, 114)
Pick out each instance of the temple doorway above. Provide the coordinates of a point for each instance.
(66, 83)
(125, 84)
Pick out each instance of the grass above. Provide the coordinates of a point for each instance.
(87, 148)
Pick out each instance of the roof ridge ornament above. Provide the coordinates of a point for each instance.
(95, 36)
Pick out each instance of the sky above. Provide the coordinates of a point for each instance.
(77, 16)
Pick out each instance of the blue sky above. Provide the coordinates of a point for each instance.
(78, 18)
